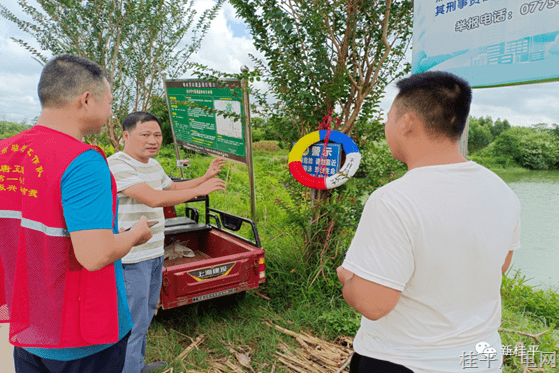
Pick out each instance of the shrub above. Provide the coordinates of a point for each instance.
(529, 147)
(9, 129)
(258, 134)
(479, 136)
(501, 161)
(342, 320)
(508, 142)
(266, 145)
(540, 303)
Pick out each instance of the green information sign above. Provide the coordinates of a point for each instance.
(202, 131)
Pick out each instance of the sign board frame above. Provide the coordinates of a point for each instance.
(207, 131)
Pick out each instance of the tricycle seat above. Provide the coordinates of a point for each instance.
(183, 224)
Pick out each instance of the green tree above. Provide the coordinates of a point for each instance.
(487, 121)
(479, 135)
(509, 142)
(531, 147)
(540, 151)
(134, 40)
(322, 56)
(500, 127)
(160, 110)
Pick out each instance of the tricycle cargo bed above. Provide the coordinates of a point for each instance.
(222, 264)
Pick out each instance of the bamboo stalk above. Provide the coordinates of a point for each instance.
(535, 336)
(262, 295)
(345, 364)
(285, 362)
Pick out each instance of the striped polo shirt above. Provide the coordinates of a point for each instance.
(129, 172)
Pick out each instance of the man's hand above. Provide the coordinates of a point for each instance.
(210, 186)
(215, 168)
(141, 228)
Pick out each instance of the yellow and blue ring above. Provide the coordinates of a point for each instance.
(348, 169)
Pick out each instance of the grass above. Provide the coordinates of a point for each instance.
(524, 174)
(531, 311)
(223, 322)
(300, 299)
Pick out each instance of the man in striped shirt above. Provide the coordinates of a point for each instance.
(144, 189)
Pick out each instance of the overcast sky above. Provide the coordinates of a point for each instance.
(226, 48)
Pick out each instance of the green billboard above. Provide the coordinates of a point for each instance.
(205, 131)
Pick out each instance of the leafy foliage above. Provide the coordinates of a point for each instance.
(498, 145)
(322, 57)
(499, 127)
(8, 129)
(482, 131)
(479, 135)
(134, 40)
(530, 147)
(540, 303)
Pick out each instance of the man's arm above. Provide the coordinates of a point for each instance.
(96, 248)
(507, 262)
(87, 206)
(179, 192)
(370, 299)
(145, 194)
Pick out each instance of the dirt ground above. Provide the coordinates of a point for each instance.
(6, 351)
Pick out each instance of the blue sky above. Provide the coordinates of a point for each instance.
(226, 48)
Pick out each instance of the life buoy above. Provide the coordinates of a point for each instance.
(348, 169)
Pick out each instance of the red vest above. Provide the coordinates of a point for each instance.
(48, 298)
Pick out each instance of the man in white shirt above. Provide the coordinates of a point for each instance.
(144, 189)
(425, 265)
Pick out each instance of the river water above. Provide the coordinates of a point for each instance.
(538, 257)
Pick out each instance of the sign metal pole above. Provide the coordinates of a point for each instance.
(248, 139)
(464, 140)
(177, 151)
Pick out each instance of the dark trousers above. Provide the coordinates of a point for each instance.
(110, 360)
(364, 364)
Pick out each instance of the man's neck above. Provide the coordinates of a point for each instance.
(62, 121)
(128, 153)
(434, 154)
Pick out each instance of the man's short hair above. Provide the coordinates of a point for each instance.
(129, 123)
(441, 99)
(66, 77)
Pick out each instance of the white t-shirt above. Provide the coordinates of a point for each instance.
(129, 172)
(440, 235)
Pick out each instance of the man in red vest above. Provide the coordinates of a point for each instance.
(61, 284)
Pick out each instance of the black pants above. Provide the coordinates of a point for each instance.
(110, 360)
(364, 364)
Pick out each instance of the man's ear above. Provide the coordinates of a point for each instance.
(85, 100)
(125, 135)
(411, 123)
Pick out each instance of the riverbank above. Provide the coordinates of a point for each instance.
(303, 302)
